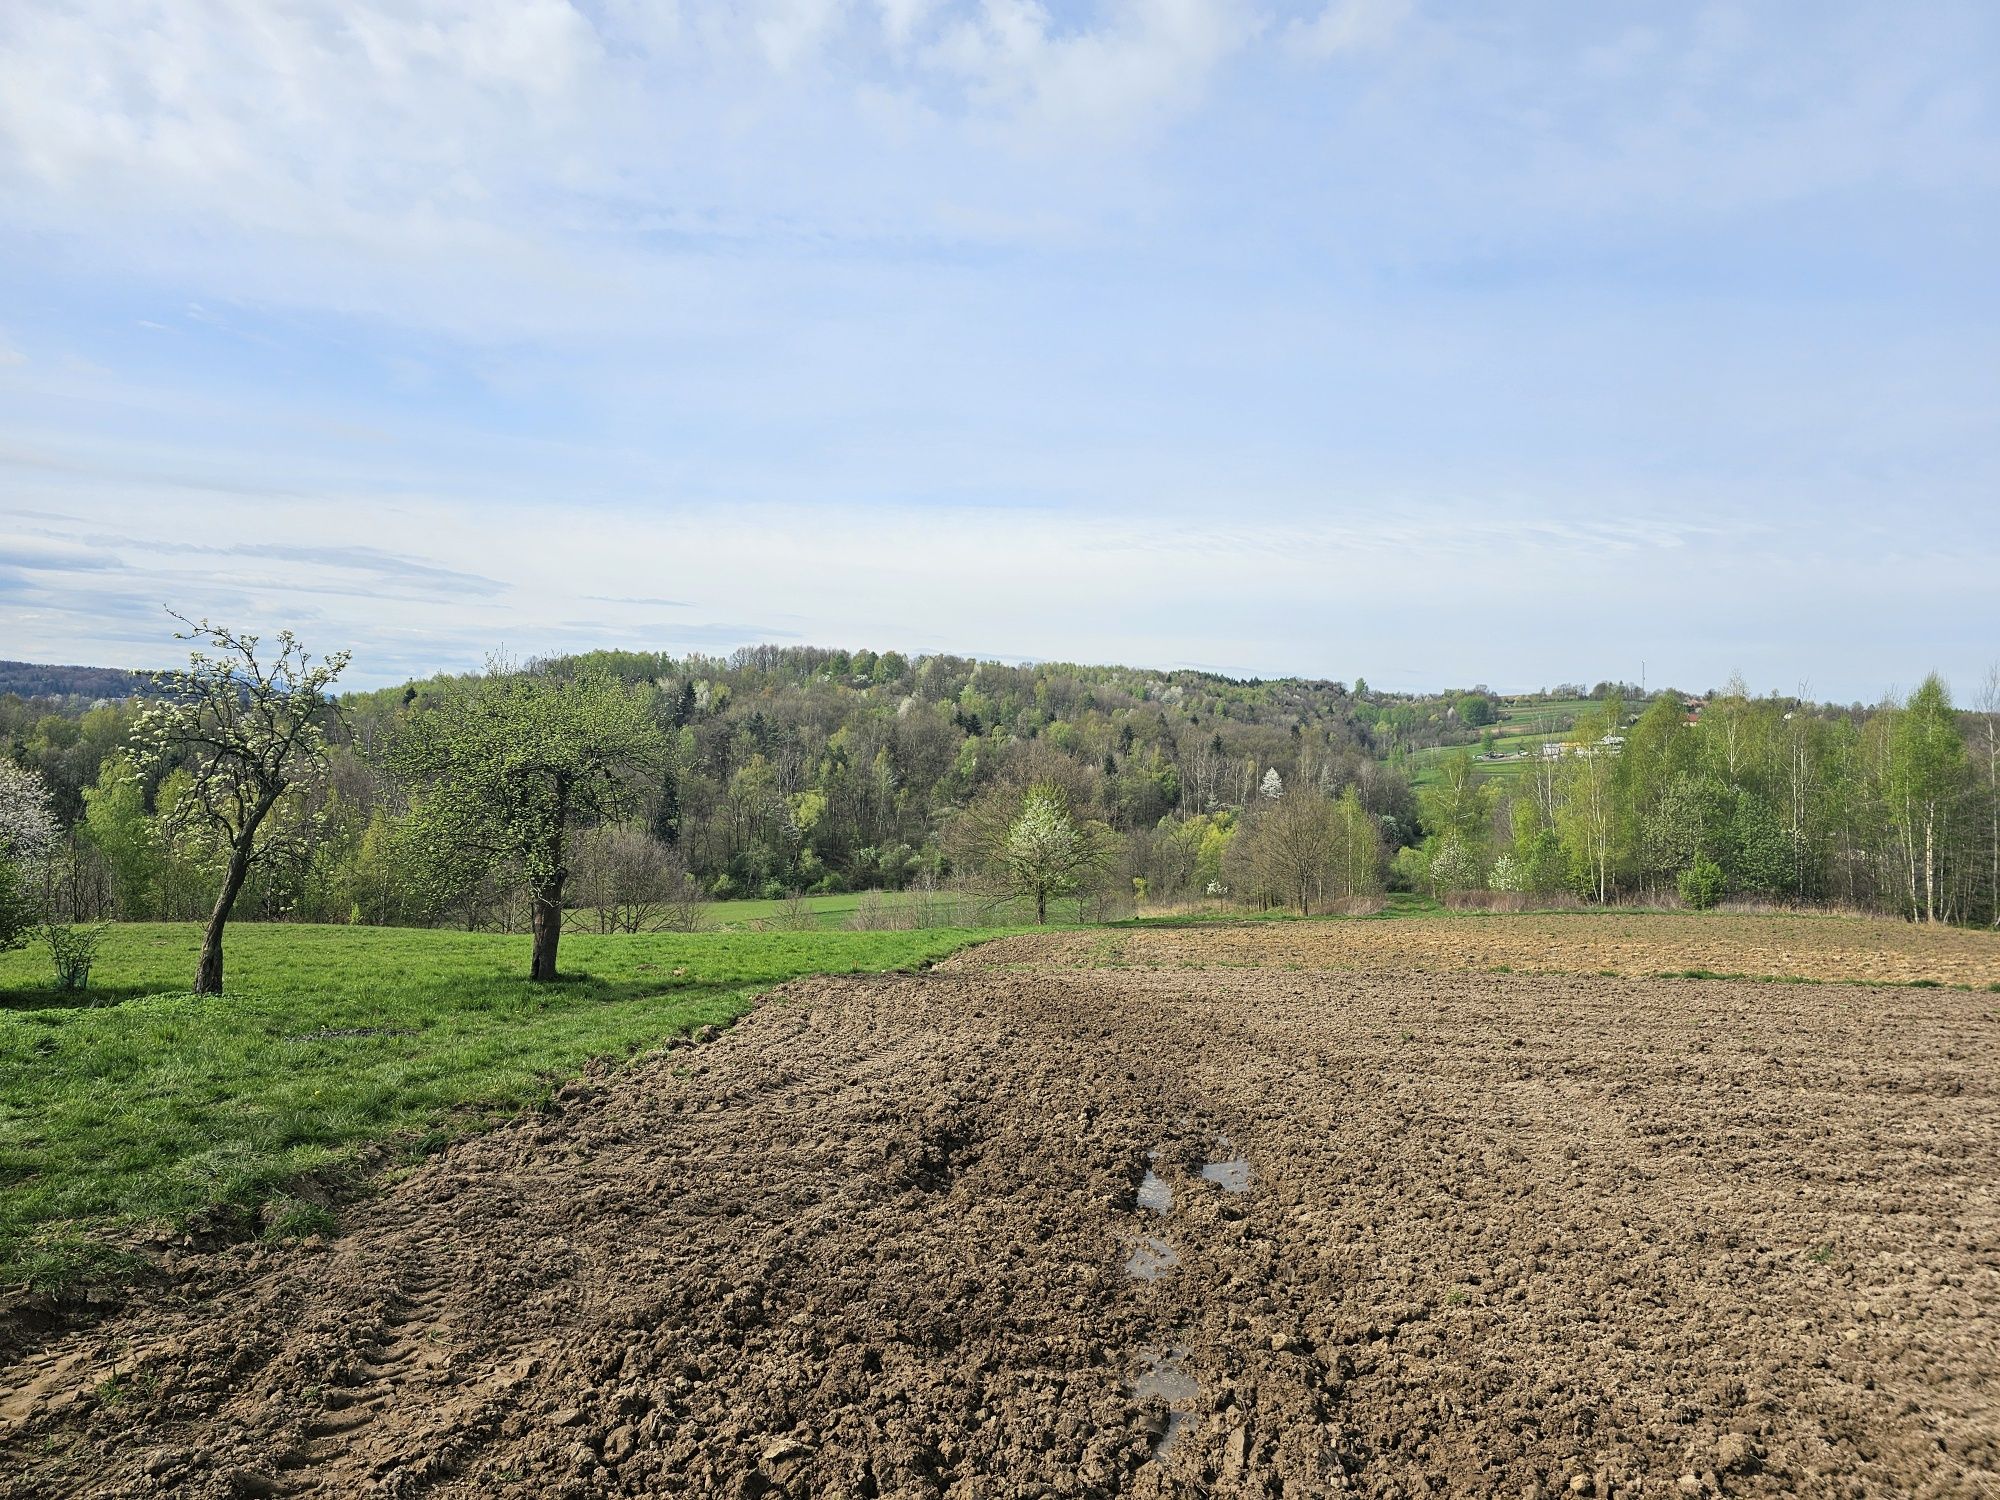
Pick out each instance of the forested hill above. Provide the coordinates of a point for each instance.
(870, 751)
(797, 767)
(29, 679)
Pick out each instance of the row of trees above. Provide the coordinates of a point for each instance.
(634, 786)
(774, 771)
(1897, 810)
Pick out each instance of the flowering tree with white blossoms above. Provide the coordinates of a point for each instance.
(27, 835)
(250, 734)
(1047, 852)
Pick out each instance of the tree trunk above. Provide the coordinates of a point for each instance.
(547, 923)
(546, 913)
(208, 972)
(1041, 907)
(1930, 867)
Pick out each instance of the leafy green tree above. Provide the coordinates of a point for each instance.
(1458, 802)
(1475, 710)
(380, 878)
(1928, 777)
(1701, 884)
(505, 772)
(1680, 823)
(1357, 847)
(1535, 852)
(1587, 812)
(1758, 852)
(248, 734)
(116, 823)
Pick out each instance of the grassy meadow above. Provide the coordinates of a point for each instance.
(146, 1105)
(1522, 731)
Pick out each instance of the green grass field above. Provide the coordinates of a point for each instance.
(1523, 729)
(151, 1106)
(830, 911)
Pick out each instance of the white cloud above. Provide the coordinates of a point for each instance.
(1348, 26)
(903, 19)
(1146, 59)
(507, 169)
(789, 31)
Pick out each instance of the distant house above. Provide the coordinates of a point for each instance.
(1611, 744)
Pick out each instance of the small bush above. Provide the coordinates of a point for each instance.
(1701, 883)
(74, 950)
(872, 914)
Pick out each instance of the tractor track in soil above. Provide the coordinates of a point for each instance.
(1460, 1234)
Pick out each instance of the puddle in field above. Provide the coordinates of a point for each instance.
(1165, 1377)
(1232, 1176)
(1155, 1192)
(1152, 1259)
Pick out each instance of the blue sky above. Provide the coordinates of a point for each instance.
(1433, 343)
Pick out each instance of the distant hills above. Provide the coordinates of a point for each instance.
(36, 680)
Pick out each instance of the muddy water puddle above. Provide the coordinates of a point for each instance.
(1151, 1259)
(1155, 1192)
(1165, 1377)
(1232, 1176)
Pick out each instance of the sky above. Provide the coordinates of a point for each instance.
(1434, 343)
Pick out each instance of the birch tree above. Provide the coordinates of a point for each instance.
(1927, 773)
(1587, 813)
(1357, 846)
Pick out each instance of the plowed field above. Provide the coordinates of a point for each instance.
(1189, 1231)
(1831, 949)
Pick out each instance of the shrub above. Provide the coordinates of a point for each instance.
(73, 949)
(1701, 883)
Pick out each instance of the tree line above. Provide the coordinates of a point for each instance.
(771, 771)
(624, 789)
(1894, 809)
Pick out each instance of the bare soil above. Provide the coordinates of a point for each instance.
(1459, 1234)
(1832, 949)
